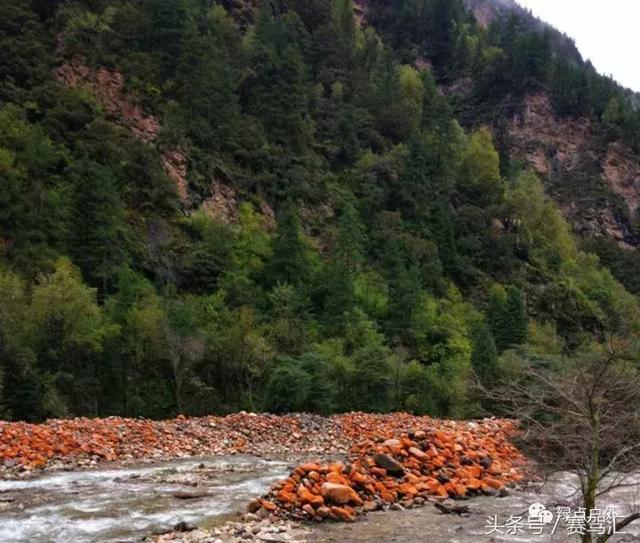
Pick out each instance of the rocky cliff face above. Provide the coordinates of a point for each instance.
(621, 171)
(547, 142)
(597, 190)
(108, 88)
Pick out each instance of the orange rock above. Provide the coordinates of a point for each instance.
(459, 490)
(473, 484)
(358, 478)
(310, 466)
(493, 483)
(407, 489)
(286, 497)
(343, 514)
(340, 494)
(457, 450)
(417, 453)
(334, 477)
(437, 462)
(387, 496)
(269, 506)
(441, 491)
(306, 496)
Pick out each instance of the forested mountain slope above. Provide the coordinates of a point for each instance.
(301, 205)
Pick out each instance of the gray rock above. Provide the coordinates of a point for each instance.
(392, 466)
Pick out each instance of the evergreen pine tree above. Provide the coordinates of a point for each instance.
(484, 355)
(507, 317)
(290, 261)
(98, 231)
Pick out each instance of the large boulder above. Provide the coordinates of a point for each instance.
(339, 494)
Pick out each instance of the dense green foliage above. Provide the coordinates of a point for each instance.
(403, 259)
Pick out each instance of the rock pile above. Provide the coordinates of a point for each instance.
(57, 443)
(393, 457)
(443, 459)
(258, 531)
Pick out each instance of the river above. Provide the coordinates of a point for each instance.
(126, 503)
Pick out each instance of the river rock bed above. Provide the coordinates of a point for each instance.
(246, 531)
(362, 463)
(444, 459)
(84, 443)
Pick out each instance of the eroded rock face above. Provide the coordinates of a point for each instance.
(561, 149)
(545, 140)
(360, 8)
(108, 88)
(174, 163)
(222, 205)
(483, 12)
(621, 171)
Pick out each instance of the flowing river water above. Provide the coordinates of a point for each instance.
(126, 503)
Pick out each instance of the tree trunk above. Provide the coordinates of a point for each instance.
(591, 487)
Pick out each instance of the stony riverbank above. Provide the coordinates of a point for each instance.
(80, 443)
(354, 463)
(86, 443)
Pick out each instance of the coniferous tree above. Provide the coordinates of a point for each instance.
(345, 261)
(278, 94)
(485, 354)
(207, 82)
(291, 261)
(507, 317)
(98, 233)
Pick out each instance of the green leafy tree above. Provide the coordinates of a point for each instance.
(69, 333)
(287, 388)
(480, 180)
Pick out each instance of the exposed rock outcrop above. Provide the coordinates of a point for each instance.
(174, 163)
(108, 88)
(621, 171)
(360, 8)
(544, 140)
(563, 150)
(222, 205)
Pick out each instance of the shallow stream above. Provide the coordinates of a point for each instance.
(124, 504)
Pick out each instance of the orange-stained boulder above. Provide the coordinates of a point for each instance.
(340, 494)
(306, 496)
(344, 514)
(407, 489)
